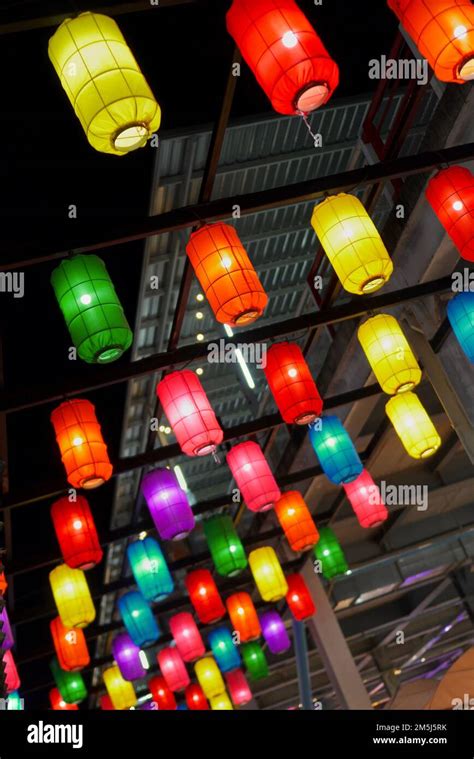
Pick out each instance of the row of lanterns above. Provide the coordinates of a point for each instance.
(7, 642)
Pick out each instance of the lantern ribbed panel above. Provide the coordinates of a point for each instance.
(224, 649)
(255, 660)
(226, 275)
(70, 646)
(389, 354)
(413, 426)
(204, 596)
(238, 687)
(72, 596)
(187, 637)
(268, 574)
(225, 546)
(58, 704)
(70, 684)
(12, 679)
(274, 632)
(104, 84)
(296, 521)
(352, 243)
(76, 532)
(253, 476)
(106, 703)
(221, 702)
(127, 657)
(162, 696)
(335, 450)
(189, 413)
(121, 692)
(5, 630)
(195, 698)
(150, 569)
(138, 619)
(173, 668)
(209, 677)
(168, 504)
(298, 598)
(83, 451)
(461, 318)
(243, 616)
(291, 384)
(451, 195)
(329, 552)
(364, 497)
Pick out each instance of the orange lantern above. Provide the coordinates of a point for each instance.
(3, 583)
(296, 521)
(243, 616)
(76, 533)
(70, 644)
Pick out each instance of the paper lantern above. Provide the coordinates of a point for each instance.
(389, 354)
(291, 384)
(352, 243)
(173, 668)
(255, 660)
(285, 54)
(3, 584)
(14, 702)
(243, 616)
(12, 680)
(127, 657)
(104, 84)
(227, 551)
(121, 692)
(72, 596)
(443, 32)
(83, 451)
(5, 630)
(168, 504)
(461, 318)
(162, 695)
(182, 707)
(253, 476)
(148, 706)
(451, 195)
(296, 521)
(335, 450)
(70, 684)
(238, 688)
(58, 704)
(187, 637)
(221, 702)
(138, 619)
(195, 698)
(204, 596)
(189, 413)
(413, 426)
(76, 533)
(106, 703)
(70, 646)
(209, 677)
(150, 569)
(274, 632)
(268, 574)
(224, 649)
(299, 598)
(330, 554)
(364, 497)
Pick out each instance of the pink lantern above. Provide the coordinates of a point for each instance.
(364, 497)
(238, 687)
(12, 681)
(253, 476)
(187, 636)
(173, 669)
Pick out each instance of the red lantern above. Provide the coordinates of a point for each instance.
(58, 704)
(161, 694)
(106, 703)
(291, 384)
(204, 596)
(173, 669)
(189, 413)
(238, 687)
(451, 195)
(296, 520)
(76, 533)
(284, 52)
(243, 616)
(299, 598)
(253, 476)
(366, 500)
(3, 583)
(195, 698)
(12, 680)
(187, 636)
(70, 645)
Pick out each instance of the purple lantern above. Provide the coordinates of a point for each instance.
(274, 632)
(149, 706)
(168, 504)
(6, 630)
(127, 657)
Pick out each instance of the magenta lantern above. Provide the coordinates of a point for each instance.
(173, 669)
(253, 476)
(187, 637)
(168, 504)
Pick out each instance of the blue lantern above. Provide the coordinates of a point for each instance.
(182, 707)
(138, 619)
(150, 569)
(461, 318)
(224, 649)
(335, 450)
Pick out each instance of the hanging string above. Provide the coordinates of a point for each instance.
(216, 457)
(315, 137)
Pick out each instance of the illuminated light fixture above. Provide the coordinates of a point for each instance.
(72, 596)
(70, 684)
(255, 660)
(173, 668)
(162, 695)
(238, 688)
(195, 698)
(12, 680)
(58, 704)
(199, 337)
(168, 504)
(83, 451)
(6, 631)
(106, 703)
(221, 702)
(187, 637)
(189, 413)
(150, 569)
(104, 84)
(296, 521)
(127, 657)
(366, 500)
(461, 318)
(243, 616)
(179, 474)
(199, 315)
(413, 426)
(335, 450)
(244, 368)
(204, 596)
(228, 330)
(199, 370)
(268, 574)
(121, 692)
(299, 598)
(209, 677)
(226, 274)
(450, 194)
(285, 54)
(253, 476)
(225, 546)
(70, 646)
(76, 532)
(92, 311)
(291, 384)
(138, 619)
(352, 243)
(200, 297)
(443, 32)
(389, 354)
(274, 632)
(329, 553)
(224, 649)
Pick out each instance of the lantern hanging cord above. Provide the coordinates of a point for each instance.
(315, 137)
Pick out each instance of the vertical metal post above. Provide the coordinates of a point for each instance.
(302, 668)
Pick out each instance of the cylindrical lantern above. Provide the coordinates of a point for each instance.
(253, 476)
(227, 551)
(12, 680)
(329, 553)
(285, 54)
(106, 703)
(148, 706)
(168, 504)
(224, 649)
(221, 702)
(150, 569)
(268, 574)
(138, 619)
(189, 413)
(204, 596)
(243, 616)
(91, 309)
(352, 243)
(366, 500)
(173, 668)
(58, 704)
(162, 695)
(127, 657)
(70, 646)
(299, 598)
(14, 702)
(6, 630)
(238, 687)
(389, 354)
(443, 32)
(335, 450)
(70, 684)
(451, 195)
(182, 707)
(76, 533)
(255, 660)
(104, 84)
(121, 692)
(461, 318)
(296, 521)
(187, 637)
(226, 275)
(413, 425)
(195, 698)
(72, 596)
(3, 583)
(291, 384)
(274, 632)
(209, 677)
(83, 451)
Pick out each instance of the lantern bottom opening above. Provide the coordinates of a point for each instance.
(466, 69)
(203, 450)
(405, 387)
(373, 283)
(313, 96)
(307, 418)
(89, 483)
(428, 452)
(247, 317)
(179, 536)
(130, 137)
(112, 353)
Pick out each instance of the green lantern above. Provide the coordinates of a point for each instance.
(14, 702)
(255, 660)
(329, 552)
(70, 684)
(92, 311)
(226, 549)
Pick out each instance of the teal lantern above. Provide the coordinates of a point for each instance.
(70, 684)
(227, 551)
(150, 569)
(255, 660)
(138, 619)
(14, 702)
(461, 318)
(329, 552)
(224, 649)
(335, 450)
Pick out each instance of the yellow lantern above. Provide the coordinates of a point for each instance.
(221, 702)
(352, 243)
(103, 81)
(121, 692)
(209, 677)
(268, 574)
(72, 596)
(413, 425)
(389, 354)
